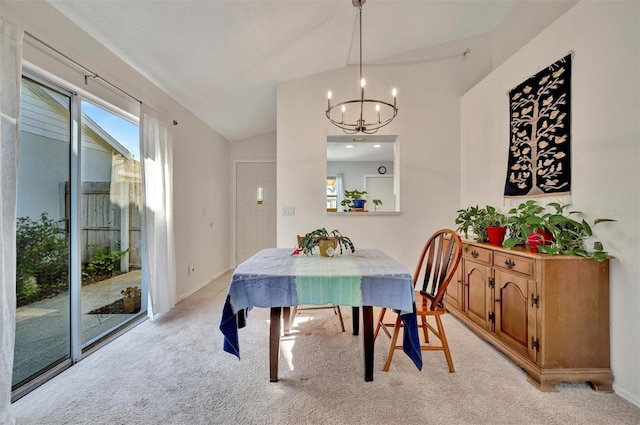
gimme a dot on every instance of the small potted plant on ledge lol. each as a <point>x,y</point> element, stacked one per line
<point>327,242</point>
<point>353,200</point>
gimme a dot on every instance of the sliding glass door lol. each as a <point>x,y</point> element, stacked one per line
<point>79,204</point>
<point>43,326</point>
<point>110,220</point>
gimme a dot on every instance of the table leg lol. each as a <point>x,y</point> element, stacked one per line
<point>274,343</point>
<point>286,319</point>
<point>355,320</point>
<point>367,330</point>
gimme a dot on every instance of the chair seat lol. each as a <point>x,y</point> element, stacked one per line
<point>334,307</point>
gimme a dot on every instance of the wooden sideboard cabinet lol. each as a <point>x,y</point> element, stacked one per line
<point>547,313</point>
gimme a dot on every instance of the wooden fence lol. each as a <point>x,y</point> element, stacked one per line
<point>110,215</point>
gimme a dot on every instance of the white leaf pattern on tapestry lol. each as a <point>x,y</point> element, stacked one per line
<point>539,150</point>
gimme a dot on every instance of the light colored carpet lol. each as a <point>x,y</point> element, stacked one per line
<point>173,371</point>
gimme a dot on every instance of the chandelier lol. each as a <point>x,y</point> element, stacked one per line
<point>384,112</point>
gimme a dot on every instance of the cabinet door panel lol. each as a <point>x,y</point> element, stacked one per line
<point>477,293</point>
<point>454,295</point>
<point>515,317</point>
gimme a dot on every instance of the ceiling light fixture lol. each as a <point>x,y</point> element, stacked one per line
<point>383,109</point>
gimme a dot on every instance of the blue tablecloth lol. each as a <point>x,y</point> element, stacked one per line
<point>275,278</point>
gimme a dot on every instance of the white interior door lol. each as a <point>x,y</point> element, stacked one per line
<point>380,187</point>
<point>255,222</point>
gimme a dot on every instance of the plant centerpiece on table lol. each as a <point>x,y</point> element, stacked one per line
<point>568,235</point>
<point>480,221</point>
<point>326,241</point>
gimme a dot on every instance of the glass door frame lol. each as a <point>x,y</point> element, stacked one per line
<point>77,351</point>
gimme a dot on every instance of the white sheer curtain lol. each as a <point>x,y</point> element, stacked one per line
<point>157,180</point>
<point>10,72</point>
<point>339,192</point>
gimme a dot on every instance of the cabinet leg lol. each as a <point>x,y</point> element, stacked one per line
<point>604,387</point>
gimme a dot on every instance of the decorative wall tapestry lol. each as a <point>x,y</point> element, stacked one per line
<point>539,149</point>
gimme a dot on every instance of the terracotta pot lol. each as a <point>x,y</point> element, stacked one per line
<point>327,247</point>
<point>496,234</point>
<point>537,238</point>
<point>129,304</point>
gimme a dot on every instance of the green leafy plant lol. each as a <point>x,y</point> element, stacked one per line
<point>569,233</point>
<point>476,220</point>
<point>493,217</point>
<point>42,258</point>
<point>352,195</point>
<point>103,263</point>
<point>520,220</point>
<point>27,292</point>
<point>313,238</point>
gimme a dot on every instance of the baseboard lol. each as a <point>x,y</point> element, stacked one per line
<point>199,286</point>
<point>630,398</point>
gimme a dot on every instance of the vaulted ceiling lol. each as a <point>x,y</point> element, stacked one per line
<point>222,59</point>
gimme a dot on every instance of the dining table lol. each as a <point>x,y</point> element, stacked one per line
<point>279,279</point>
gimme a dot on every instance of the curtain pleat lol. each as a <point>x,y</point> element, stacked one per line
<point>157,180</point>
<point>10,74</point>
<point>339,192</point>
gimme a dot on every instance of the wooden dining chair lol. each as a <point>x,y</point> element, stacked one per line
<point>334,307</point>
<point>437,265</point>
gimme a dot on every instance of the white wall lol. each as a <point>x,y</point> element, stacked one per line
<point>605,148</point>
<point>428,129</point>
<point>261,147</point>
<point>201,156</point>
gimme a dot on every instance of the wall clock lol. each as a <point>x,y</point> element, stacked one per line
<point>382,169</point>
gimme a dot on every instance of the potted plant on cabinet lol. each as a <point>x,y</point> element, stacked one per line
<point>556,232</point>
<point>523,222</point>
<point>487,224</point>
<point>327,242</point>
<point>495,224</point>
<point>468,221</point>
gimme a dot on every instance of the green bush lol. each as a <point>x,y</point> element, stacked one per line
<point>42,253</point>
<point>103,263</point>
<point>27,292</point>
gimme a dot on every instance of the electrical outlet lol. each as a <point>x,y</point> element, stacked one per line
<point>191,268</point>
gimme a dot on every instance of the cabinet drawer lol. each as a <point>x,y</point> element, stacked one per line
<point>476,253</point>
<point>514,263</point>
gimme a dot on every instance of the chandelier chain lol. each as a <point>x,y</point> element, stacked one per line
<point>361,125</point>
